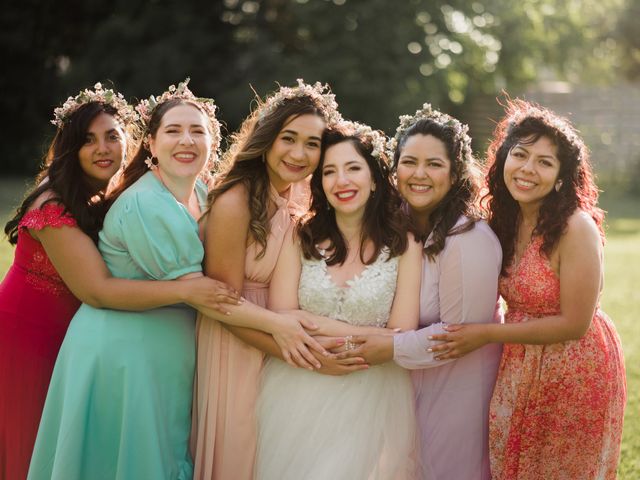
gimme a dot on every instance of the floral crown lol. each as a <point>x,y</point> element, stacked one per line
<point>125,111</point>
<point>318,92</point>
<point>377,139</point>
<point>427,112</point>
<point>146,107</point>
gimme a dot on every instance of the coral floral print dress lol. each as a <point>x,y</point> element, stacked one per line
<point>35,310</point>
<point>557,410</point>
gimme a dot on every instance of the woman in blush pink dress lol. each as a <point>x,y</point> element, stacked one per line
<point>260,189</point>
<point>439,180</point>
<point>558,405</point>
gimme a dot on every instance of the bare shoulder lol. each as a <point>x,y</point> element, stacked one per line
<point>233,203</point>
<point>581,232</point>
<point>581,225</point>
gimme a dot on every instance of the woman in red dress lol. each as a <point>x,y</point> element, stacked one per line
<point>57,264</point>
<point>558,403</point>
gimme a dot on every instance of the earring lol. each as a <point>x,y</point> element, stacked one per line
<point>558,185</point>
<point>151,162</point>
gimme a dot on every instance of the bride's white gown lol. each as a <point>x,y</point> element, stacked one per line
<point>359,426</point>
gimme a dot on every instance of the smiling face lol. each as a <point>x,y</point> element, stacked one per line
<point>295,152</point>
<point>182,143</point>
<point>103,151</point>
<point>346,179</point>
<point>424,172</point>
<point>531,170</point>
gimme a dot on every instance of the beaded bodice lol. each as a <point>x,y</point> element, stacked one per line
<point>365,300</point>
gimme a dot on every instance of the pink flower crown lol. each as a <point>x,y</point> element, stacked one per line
<point>125,112</point>
<point>146,107</point>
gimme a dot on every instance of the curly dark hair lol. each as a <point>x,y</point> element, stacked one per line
<point>243,162</point>
<point>462,199</point>
<point>526,122</point>
<point>63,175</point>
<point>383,222</point>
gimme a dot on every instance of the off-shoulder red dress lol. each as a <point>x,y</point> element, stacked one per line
<point>35,310</point>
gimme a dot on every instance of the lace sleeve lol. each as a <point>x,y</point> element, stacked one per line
<point>50,215</point>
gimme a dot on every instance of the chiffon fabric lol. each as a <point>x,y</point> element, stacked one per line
<point>119,405</point>
<point>223,439</point>
<point>356,426</point>
<point>452,396</point>
<point>557,410</point>
<point>35,310</point>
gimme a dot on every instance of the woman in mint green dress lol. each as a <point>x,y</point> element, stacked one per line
<point>119,404</point>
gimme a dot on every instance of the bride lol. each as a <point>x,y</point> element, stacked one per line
<point>351,259</point>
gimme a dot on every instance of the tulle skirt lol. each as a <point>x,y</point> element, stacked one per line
<point>359,426</point>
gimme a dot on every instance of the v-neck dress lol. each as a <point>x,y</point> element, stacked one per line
<point>356,426</point>
<point>557,409</point>
<point>119,404</point>
<point>223,439</point>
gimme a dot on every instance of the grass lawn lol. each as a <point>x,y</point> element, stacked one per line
<point>621,299</point>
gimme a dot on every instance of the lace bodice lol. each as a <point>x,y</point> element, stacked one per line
<point>366,300</point>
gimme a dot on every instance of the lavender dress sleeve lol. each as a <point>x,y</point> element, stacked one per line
<point>467,292</point>
<point>452,397</point>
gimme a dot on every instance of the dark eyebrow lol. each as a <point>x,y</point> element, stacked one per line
<point>177,125</point>
<point>293,132</point>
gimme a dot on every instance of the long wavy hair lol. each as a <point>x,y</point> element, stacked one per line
<point>526,122</point>
<point>137,167</point>
<point>64,177</point>
<point>244,162</point>
<point>383,223</point>
<point>462,199</point>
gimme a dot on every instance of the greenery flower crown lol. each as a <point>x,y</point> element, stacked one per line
<point>427,112</point>
<point>125,112</point>
<point>318,92</point>
<point>145,108</point>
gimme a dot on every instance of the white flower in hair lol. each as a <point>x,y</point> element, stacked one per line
<point>376,138</point>
<point>125,112</point>
<point>427,112</point>
<point>321,93</point>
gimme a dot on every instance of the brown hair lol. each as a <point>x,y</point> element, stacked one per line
<point>244,162</point>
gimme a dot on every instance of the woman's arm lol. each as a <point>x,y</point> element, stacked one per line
<point>406,303</point>
<point>226,233</point>
<point>82,268</point>
<point>468,270</point>
<point>580,273</point>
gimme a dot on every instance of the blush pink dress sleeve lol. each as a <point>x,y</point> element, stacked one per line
<point>224,431</point>
<point>452,397</point>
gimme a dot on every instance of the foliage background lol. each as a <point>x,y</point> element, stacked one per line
<point>382,58</point>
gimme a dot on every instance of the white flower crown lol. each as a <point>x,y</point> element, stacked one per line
<point>321,93</point>
<point>146,107</point>
<point>377,139</point>
<point>125,112</point>
<point>427,112</point>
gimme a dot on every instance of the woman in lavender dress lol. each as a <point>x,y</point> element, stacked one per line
<point>438,178</point>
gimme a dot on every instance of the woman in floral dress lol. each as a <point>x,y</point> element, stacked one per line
<point>558,404</point>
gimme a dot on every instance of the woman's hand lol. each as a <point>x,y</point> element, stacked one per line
<point>375,349</point>
<point>331,365</point>
<point>295,343</point>
<point>204,293</point>
<point>460,340</point>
